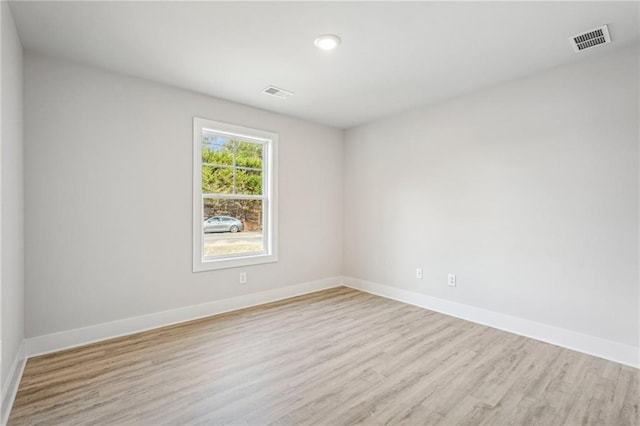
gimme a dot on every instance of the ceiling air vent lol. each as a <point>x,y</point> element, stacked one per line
<point>277,92</point>
<point>591,38</point>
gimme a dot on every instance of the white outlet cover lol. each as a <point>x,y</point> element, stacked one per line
<point>451,280</point>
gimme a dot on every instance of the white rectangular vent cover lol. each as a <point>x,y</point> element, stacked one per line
<point>591,38</point>
<point>277,92</point>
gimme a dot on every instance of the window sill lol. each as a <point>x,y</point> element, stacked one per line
<point>237,262</point>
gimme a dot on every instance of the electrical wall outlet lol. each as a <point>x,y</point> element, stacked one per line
<point>419,273</point>
<point>243,277</point>
<point>451,280</point>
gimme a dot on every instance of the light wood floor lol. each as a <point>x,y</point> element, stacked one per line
<point>330,358</point>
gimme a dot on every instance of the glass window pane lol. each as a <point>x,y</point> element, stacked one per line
<point>248,182</point>
<point>217,180</point>
<point>217,149</point>
<point>232,227</point>
<point>249,154</point>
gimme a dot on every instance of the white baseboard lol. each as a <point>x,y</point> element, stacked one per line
<point>48,343</point>
<point>596,346</point>
<point>10,387</point>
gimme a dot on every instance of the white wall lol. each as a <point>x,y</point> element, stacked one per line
<point>527,191</point>
<point>11,201</point>
<point>108,169</point>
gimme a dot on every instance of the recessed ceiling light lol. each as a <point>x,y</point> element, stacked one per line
<point>327,42</point>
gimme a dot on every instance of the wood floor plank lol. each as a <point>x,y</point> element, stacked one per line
<point>329,358</point>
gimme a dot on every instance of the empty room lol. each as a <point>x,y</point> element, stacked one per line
<point>320,213</point>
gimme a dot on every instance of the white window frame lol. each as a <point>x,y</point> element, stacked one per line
<point>269,196</point>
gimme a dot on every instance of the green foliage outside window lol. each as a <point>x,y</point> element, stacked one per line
<point>239,168</point>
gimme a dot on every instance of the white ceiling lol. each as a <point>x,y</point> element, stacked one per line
<point>393,57</point>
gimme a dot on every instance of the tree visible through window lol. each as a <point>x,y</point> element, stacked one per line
<point>235,192</point>
<point>234,167</point>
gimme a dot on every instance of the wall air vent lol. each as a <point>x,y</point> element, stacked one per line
<point>277,92</point>
<point>591,38</point>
